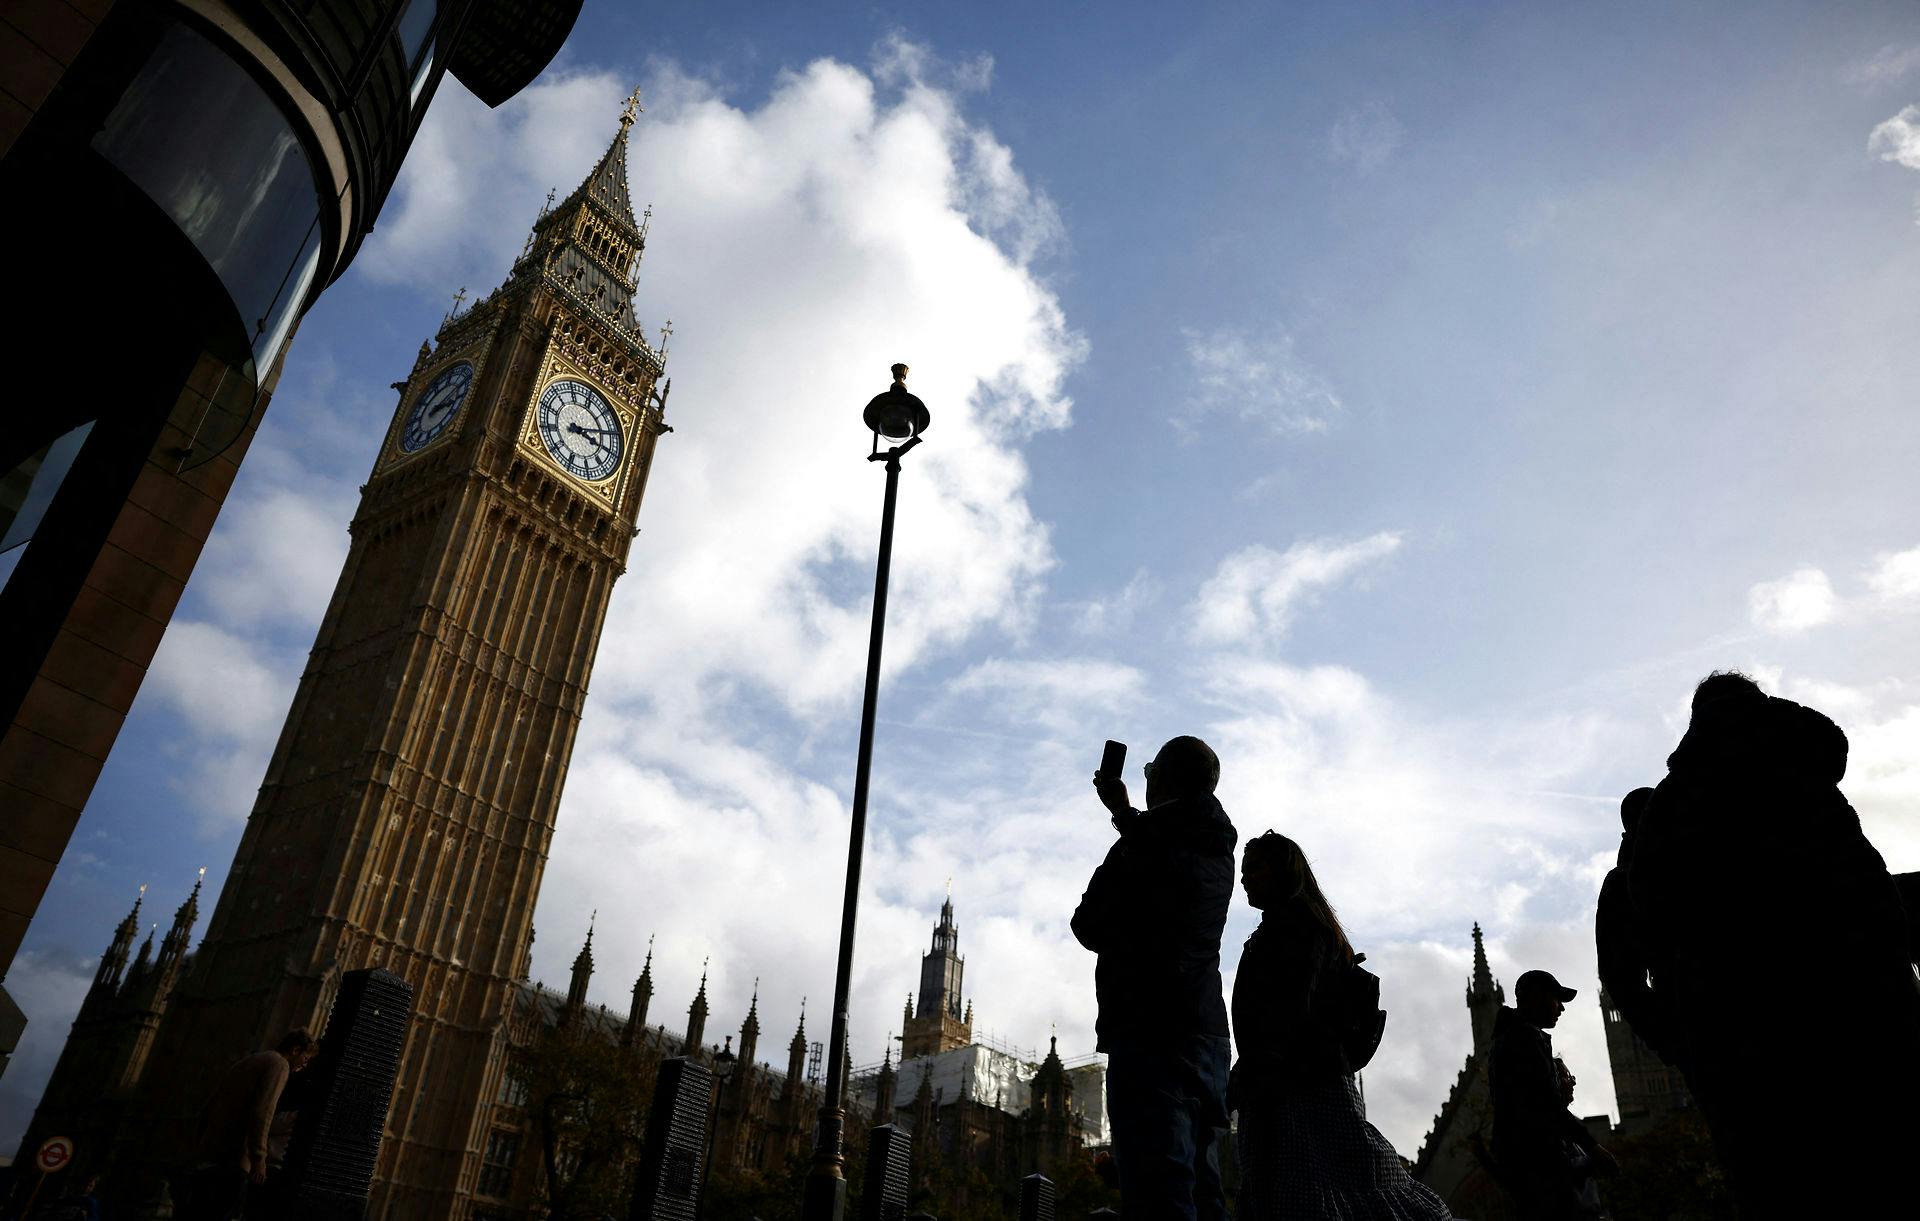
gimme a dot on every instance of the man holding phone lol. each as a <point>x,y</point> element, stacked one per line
<point>1154,911</point>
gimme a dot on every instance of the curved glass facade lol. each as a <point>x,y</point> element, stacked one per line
<point>200,136</point>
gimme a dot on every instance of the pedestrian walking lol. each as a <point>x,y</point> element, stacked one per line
<point>1545,1155</point>
<point>232,1151</point>
<point>1305,1148</point>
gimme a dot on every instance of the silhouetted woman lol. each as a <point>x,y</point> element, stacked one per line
<point>1306,1148</point>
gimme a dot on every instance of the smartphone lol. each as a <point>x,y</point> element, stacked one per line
<point>1113,759</point>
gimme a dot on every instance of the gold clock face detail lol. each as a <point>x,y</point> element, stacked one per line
<point>580,430</point>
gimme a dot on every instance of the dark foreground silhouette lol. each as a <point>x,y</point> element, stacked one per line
<point>1544,1156</point>
<point>1154,911</point>
<point>1777,958</point>
<point>1305,1016</point>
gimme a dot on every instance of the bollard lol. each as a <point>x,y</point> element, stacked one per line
<point>883,1196</point>
<point>667,1187</point>
<point>1036,1198</point>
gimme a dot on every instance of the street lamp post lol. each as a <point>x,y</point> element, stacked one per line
<point>722,1069</point>
<point>899,417</point>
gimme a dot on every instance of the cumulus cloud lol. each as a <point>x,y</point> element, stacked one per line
<point>1255,592</point>
<point>1259,380</point>
<point>1898,139</point>
<point>230,694</point>
<point>1365,136</point>
<point>1797,602</point>
<point>1895,578</point>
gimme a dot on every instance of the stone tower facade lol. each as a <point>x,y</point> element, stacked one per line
<point>405,816</point>
<point>1453,1159</point>
<point>939,1023</point>
<point>1646,1089</point>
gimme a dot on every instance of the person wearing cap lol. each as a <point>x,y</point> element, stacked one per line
<point>1544,1153</point>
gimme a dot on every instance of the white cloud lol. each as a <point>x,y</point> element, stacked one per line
<point>1898,139</point>
<point>1255,592</point>
<point>231,695</point>
<point>1895,578</point>
<point>1257,380</point>
<point>1885,66</point>
<point>1365,136</point>
<point>1801,600</point>
<point>48,985</point>
<point>1116,612</point>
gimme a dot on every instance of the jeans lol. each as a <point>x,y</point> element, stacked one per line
<point>1167,1104</point>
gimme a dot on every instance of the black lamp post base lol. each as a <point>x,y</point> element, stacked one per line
<point>826,1198</point>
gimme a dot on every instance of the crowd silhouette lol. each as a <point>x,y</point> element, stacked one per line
<point>1749,932</point>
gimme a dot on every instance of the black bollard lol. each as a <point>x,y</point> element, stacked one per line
<point>336,1140</point>
<point>883,1196</point>
<point>667,1187</point>
<point>1036,1198</point>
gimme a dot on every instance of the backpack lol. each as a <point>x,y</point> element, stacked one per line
<point>1358,1020</point>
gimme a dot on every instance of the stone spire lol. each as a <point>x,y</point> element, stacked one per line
<point>1484,995</point>
<point>173,947</point>
<point>697,1016</point>
<point>797,1052</point>
<point>642,997</point>
<point>582,969</point>
<point>589,244</point>
<point>883,1096</point>
<point>113,963</point>
<point>750,1029</point>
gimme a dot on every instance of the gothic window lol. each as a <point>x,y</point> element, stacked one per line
<point>496,1168</point>
<point>513,1090</point>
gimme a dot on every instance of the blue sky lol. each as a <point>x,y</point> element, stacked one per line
<point>1413,400</point>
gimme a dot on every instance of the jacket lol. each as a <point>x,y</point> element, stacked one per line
<point>234,1128</point>
<point>1627,965</point>
<point>1285,1039</point>
<point>1531,1122</point>
<point>1154,911</point>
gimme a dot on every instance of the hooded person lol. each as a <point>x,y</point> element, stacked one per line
<point>1154,911</point>
<point>1787,959</point>
<point>1628,970</point>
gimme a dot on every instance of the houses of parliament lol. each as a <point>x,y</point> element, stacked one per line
<point>406,813</point>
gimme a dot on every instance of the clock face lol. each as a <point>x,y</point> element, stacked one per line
<point>435,407</point>
<point>580,429</point>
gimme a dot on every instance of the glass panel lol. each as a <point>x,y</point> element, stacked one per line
<point>414,26</point>
<point>285,311</point>
<point>421,71</point>
<point>206,143</point>
<point>28,489</point>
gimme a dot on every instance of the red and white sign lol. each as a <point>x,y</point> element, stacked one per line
<point>54,1154</point>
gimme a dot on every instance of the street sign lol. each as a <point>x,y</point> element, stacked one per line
<point>55,1152</point>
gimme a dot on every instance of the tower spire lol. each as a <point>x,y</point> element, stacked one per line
<point>642,998</point>
<point>114,962</point>
<point>582,968</point>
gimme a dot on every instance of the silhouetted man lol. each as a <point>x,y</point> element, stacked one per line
<point>1543,1152</point>
<point>1791,985</point>
<point>1627,967</point>
<point>1153,912</point>
<point>233,1130</point>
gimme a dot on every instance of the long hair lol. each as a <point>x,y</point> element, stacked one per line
<point>1297,886</point>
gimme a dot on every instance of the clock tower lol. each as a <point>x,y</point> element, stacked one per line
<point>405,817</point>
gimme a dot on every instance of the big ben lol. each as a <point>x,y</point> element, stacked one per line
<point>405,817</point>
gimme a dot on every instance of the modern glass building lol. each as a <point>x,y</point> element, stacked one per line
<point>179,180</point>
